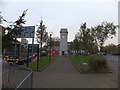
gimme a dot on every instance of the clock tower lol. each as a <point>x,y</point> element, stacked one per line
<point>63,41</point>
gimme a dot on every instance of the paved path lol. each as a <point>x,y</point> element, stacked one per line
<point>113,58</point>
<point>62,74</point>
<point>112,63</point>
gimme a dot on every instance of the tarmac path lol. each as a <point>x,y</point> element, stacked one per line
<point>62,74</point>
<point>113,63</point>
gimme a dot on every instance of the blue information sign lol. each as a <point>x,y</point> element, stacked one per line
<point>27,32</point>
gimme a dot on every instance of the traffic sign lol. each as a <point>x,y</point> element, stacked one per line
<point>27,32</point>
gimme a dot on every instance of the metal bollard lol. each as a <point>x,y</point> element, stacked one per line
<point>85,67</point>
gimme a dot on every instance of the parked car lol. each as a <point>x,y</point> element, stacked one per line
<point>20,62</point>
<point>24,60</point>
<point>10,59</point>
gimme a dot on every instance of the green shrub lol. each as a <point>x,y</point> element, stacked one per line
<point>97,62</point>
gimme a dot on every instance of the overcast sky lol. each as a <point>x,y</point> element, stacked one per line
<point>57,14</point>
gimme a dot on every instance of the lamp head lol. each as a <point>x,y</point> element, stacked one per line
<point>50,33</point>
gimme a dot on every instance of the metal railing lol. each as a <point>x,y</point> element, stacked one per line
<point>27,82</point>
<point>17,77</point>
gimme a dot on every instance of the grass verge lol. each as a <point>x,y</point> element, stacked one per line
<point>43,62</point>
<point>78,61</point>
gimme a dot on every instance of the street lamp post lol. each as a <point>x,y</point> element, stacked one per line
<point>28,56</point>
<point>50,33</point>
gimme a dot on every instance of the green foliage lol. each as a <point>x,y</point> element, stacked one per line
<point>85,40</point>
<point>41,33</point>
<point>45,61</point>
<point>76,43</point>
<point>71,46</point>
<point>12,31</point>
<point>97,62</point>
<point>111,48</point>
<point>102,32</point>
<point>84,35</point>
<point>6,42</point>
<point>55,41</point>
<point>78,61</point>
<point>90,39</point>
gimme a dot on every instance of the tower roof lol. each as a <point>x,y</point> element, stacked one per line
<point>63,30</point>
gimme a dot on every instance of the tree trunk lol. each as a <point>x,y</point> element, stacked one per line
<point>40,48</point>
<point>41,51</point>
<point>100,49</point>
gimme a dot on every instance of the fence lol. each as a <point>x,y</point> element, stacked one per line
<point>17,77</point>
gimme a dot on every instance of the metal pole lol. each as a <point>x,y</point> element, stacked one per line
<point>0,61</point>
<point>50,46</point>
<point>15,47</point>
<point>28,56</point>
<point>32,49</point>
<point>38,56</point>
<point>15,50</point>
<point>20,50</point>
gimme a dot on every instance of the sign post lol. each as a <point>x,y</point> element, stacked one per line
<point>28,32</point>
<point>37,56</point>
<point>32,48</point>
<point>28,56</point>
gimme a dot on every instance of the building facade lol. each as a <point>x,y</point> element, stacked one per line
<point>2,32</point>
<point>63,41</point>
